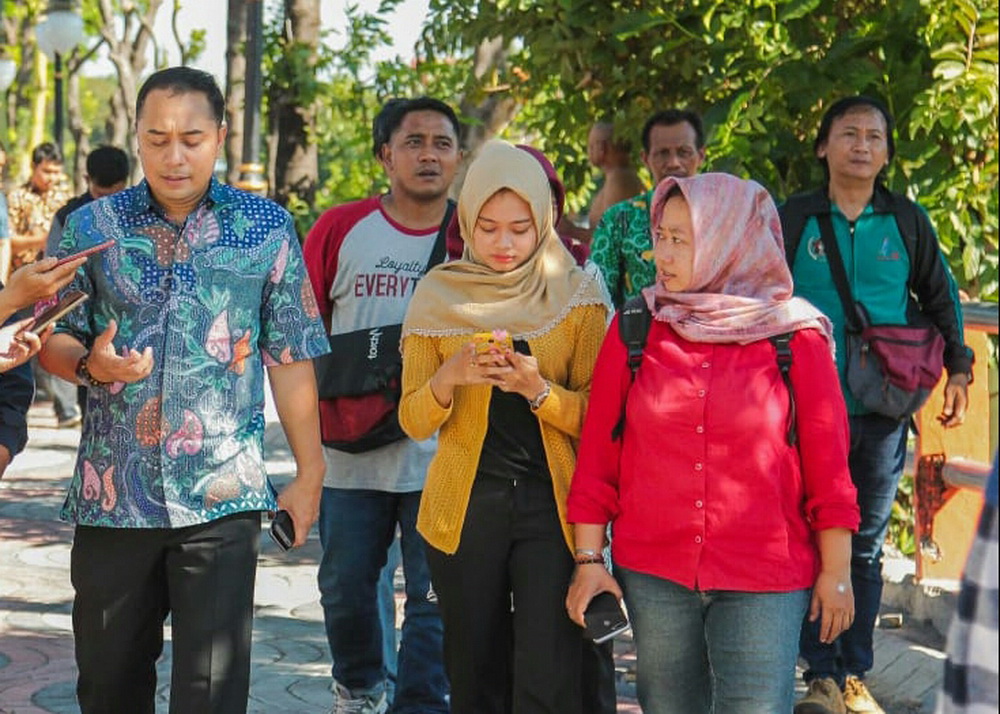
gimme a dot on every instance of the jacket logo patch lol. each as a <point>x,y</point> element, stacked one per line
<point>815,248</point>
<point>886,252</point>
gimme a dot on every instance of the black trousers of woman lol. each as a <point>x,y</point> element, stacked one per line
<point>509,645</point>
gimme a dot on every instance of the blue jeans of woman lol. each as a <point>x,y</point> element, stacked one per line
<point>876,459</point>
<point>712,651</point>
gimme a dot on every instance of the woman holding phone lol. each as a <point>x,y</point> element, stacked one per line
<point>20,340</point>
<point>728,490</point>
<point>494,503</point>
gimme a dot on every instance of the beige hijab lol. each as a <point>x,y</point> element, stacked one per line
<point>466,296</point>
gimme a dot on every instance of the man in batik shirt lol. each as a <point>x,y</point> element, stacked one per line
<point>673,144</point>
<point>31,209</point>
<point>202,290</point>
<point>32,206</point>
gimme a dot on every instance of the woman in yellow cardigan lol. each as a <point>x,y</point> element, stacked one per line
<point>493,509</point>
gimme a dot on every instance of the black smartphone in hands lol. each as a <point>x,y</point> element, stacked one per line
<point>45,318</point>
<point>283,530</point>
<point>604,618</point>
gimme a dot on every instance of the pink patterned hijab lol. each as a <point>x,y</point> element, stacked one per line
<point>741,288</point>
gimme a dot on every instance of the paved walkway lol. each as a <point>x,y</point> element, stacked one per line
<point>290,658</point>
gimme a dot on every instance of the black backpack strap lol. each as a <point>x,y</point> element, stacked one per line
<point>634,319</point>
<point>908,219</point>
<point>794,214</point>
<point>793,222</point>
<point>836,263</point>
<point>437,252</point>
<point>782,344</point>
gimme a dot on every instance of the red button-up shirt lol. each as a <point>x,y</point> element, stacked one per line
<point>703,488</point>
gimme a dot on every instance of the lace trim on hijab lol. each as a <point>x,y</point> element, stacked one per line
<point>584,295</point>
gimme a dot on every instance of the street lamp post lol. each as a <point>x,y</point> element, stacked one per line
<point>8,67</point>
<point>251,170</point>
<point>57,35</point>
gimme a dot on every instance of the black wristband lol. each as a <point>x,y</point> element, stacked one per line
<point>83,375</point>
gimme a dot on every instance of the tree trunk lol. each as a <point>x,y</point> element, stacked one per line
<point>20,94</point>
<point>81,140</point>
<point>127,53</point>
<point>39,106</point>
<point>236,66</point>
<point>296,159</point>
<point>491,114</point>
<point>116,125</point>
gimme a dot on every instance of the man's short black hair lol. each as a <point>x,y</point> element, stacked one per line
<point>382,121</point>
<point>846,106</point>
<point>107,165</point>
<point>46,151</point>
<point>670,117</point>
<point>182,80</point>
<point>395,110</point>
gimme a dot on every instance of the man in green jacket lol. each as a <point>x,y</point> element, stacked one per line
<point>890,273</point>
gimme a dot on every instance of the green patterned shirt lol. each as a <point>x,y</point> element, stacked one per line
<point>622,248</point>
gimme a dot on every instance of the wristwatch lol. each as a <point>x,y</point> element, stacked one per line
<point>83,375</point>
<point>537,401</point>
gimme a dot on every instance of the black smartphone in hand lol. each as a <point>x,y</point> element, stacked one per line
<point>604,618</point>
<point>69,301</point>
<point>283,530</point>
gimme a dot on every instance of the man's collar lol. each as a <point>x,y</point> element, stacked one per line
<point>30,186</point>
<point>218,195</point>
<point>880,202</point>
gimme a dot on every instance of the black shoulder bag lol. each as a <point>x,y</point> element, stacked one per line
<point>361,379</point>
<point>891,369</point>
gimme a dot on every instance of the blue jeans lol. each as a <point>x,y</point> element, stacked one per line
<point>387,615</point>
<point>356,528</point>
<point>876,460</point>
<point>713,651</point>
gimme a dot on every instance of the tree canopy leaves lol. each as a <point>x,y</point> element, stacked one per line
<point>761,73</point>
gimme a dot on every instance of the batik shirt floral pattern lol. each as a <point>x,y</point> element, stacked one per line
<point>622,248</point>
<point>218,299</point>
<point>31,212</point>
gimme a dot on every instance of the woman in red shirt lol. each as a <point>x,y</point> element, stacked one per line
<point>725,533</point>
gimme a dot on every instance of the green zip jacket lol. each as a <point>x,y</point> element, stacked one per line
<point>886,275</point>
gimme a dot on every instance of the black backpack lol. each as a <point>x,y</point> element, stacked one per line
<point>634,319</point>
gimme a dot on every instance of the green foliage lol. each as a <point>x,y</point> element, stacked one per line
<point>902,518</point>
<point>954,122</point>
<point>762,74</point>
<point>349,85</point>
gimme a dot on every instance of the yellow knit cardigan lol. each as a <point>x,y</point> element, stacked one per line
<point>566,356</point>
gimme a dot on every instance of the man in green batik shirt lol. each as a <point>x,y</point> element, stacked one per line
<point>673,144</point>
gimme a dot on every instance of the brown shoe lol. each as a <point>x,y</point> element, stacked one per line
<point>858,699</point>
<point>823,697</point>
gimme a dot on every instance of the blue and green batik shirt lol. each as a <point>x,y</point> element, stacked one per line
<point>218,299</point>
